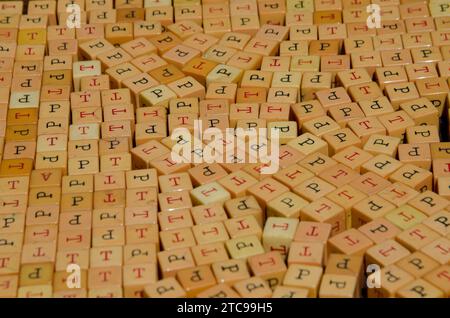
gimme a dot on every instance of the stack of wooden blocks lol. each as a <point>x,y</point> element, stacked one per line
<point>93,204</point>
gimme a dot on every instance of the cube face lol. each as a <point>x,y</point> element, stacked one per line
<point>254,287</point>
<point>310,253</point>
<point>193,287</point>
<point>244,247</point>
<point>209,253</point>
<point>210,193</point>
<point>405,217</point>
<point>304,276</point>
<point>278,234</point>
<point>350,242</point>
<point>438,250</point>
<point>324,210</point>
<point>337,286</point>
<point>418,264</point>
<point>386,253</point>
<point>231,271</point>
<point>420,288</point>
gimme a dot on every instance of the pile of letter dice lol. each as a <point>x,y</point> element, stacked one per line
<point>225,148</point>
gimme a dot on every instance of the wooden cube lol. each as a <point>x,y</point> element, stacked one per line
<point>230,271</point>
<point>438,250</point>
<point>289,292</point>
<point>313,189</point>
<point>419,289</point>
<point>350,242</point>
<point>392,279</point>
<point>254,287</point>
<point>304,276</point>
<point>418,264</point>
<point>244,247</point>
<point>337,286</point>
<point>170,262</point>
<point>438,278</point>
<point>207,254</point>
<point>196,279</point>
<point>386,253</point>
<point>308,253</point>
<point>168,287</point>
<point>317,162</point>
<point>278,234</point>
<point>219,290</point>
<point>269,266</point>
<point>326,211</point>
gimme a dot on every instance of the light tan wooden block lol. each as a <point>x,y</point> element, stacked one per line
<point>222,91</point>
<point>177,239</point>
<point>196,280</point>
<point>350,242</point>
<point>289,292</point>
<point>337,286</point>
<point>168,287</point>
<point>418,264</point>
<point>313,189</point>
<point>254,287</point>
<point>438,222</point>
<point>230,271</point>
<point>366,127</point>
<point>304,276</point>
<point>142,233</point>
<point>308,253</point>
<point>392,279</point>
<point>439,278</point>
<point>429,203</point>
<point>278,234</point>
<point>317,162</point>
<point>218,291</point>
<point>9,285</point>
<point>244,247</point>
<point>36,274</point>
<point>320,126</point>
<point>325,211</point>
<point>443,186</point>
<point>345,265</point>
<point>210,233</point>
<point>386,253</point>
<point>420,134</point>
<point>243,226</point>
<point>287,205</point>
<point>417,237</point>
<point>313,82</point>
<point>208,213</point>
<point>208,254</point>
<point>171,220</point>
<point>419,289</point>
<point>422,111</point>
<point>308,63</point>
<point>170,262</point>
<point>38,291</point>
<point>383,165</point>
<point>382,145</point>
<point>367,60</point>
<point>438,250</point>
<point>379,230</point>
<point>266,190</point>
<point>308,144</point>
